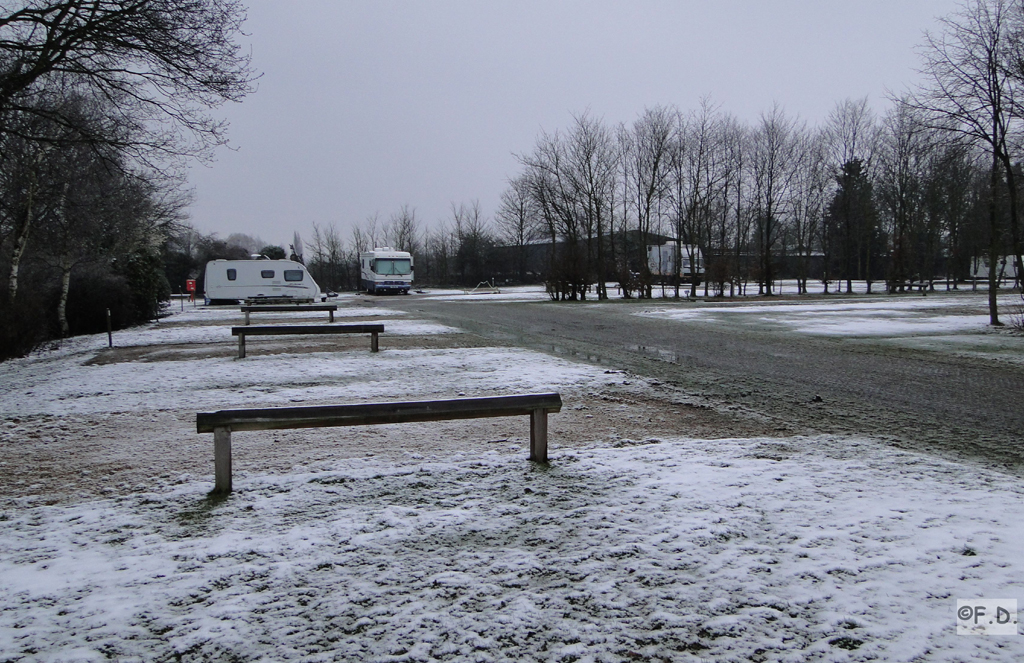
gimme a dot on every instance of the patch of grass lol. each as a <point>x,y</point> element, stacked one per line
<point>328,480</point>
<point>200,514</point>
<point>846,643</point>
<point>1017,316</point>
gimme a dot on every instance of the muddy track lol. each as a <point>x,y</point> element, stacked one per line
<point>968,409</point>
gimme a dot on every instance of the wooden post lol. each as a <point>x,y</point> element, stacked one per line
<point>374,347</point>
<point>246,316</point>
<point>331,314</point>
<point>539,436</point>
<point>241,346</point>
<point>222,459</point>
<point>110,335</point>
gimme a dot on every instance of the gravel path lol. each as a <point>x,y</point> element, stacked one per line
<point>955,406</point>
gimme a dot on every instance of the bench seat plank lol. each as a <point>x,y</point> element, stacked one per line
<point>279,330</point>
<point>320,416</point>
<point>286,308</point>
<point>279,308</point>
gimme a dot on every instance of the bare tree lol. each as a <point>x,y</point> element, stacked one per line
<point>851,133</point>
<point>852,137</point>
<point>734,221</point>
<point>149,70</point>
<point>773,160</point>
<point>695,179</point>
<point>161,63</point>
<point>516,221</point>
<point>440,246</point>
<point>969,89</point>
<point>591,173</point>
<point>248,242</point>
<point>553,192</point>
<point>402,230</point>
<point>905,151</point>
<point>647,171</point>
<point>473,242</point>
<point>811,186</point>
<point>329,262</point>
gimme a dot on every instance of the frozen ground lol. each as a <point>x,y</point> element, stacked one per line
<point>653,547</point>
<point>955,322</point>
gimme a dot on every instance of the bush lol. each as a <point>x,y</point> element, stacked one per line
<point>92,292</point>
<point>144,273</point>
<point>23,326</point>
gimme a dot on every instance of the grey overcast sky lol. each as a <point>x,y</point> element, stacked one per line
<point>367,106</point>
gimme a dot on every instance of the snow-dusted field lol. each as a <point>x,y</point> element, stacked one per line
<point>668,549</point>
<point>955,323</point>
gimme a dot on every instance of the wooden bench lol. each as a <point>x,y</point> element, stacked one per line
<point>910,286</point>
<point>277,330</point>
<point>330,308</point>
<point>282,300</point>
<point>223,422</point>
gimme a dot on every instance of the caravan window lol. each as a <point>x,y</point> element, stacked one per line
<point>232,275</point>
<point>293,275</point>
<point>267,273</point>
<point>393,266</point>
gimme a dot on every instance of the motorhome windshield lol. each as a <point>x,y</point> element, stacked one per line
<point>393,266</point>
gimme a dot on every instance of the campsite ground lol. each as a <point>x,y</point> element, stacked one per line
<point>674,523</point>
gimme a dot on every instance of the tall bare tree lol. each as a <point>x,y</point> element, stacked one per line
<point>696,176</point>
<point>162,64</point>
<point>647,175</point>
<point>810,189</point>
<point>969,89</point>
<point>591,171</point>
<point>402,230</point>
<point>773,167</point>
<point>516,221</point>
<point>904,154</point>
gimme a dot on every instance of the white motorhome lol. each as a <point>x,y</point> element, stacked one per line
<point>385,270</point>
<point>661,260</point>
<point>231,281</point>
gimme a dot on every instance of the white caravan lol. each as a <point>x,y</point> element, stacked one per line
<point>238,280</point>
<point>661,260</point>
<point>385,270</point>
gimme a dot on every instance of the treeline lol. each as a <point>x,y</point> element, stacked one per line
<point>926,191</point>
<point>101,104</point>
<point>461,250</point>
<point>890,199</point>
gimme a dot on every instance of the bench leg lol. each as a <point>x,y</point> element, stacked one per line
<point>222,460</point>
<point>374,347</point>
<point>331,314</point>
<point>246,317</point>
<point>539,436</point>
<point>241,346</point>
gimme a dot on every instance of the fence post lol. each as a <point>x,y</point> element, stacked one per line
<point>110,335</point>
<point>222,459</point>
<point>539,436</point>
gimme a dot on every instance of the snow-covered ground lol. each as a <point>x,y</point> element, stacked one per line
<point>65,381</point>
<point>956,323</point>
<point>783,549</point>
